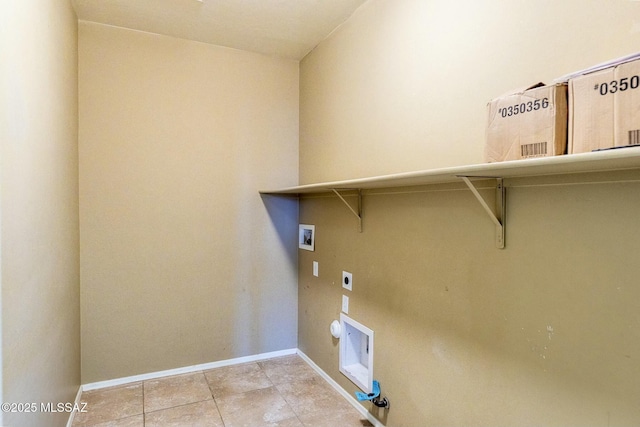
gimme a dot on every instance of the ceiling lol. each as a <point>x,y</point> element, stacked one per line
<point>282,28</point>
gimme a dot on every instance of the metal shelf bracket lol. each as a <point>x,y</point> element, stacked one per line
<point>498,217</point>
<point>357,213</point>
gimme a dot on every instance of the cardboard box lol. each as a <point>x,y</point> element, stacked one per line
<point>605,108</point>
<point>528,123</point>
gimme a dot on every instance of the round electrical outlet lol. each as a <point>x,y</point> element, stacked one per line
<point>347,280</point>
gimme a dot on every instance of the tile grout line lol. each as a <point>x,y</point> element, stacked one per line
<point>318,373</point>
<point>178,406</point>
<point>215,402</point>
<point>275,386</point>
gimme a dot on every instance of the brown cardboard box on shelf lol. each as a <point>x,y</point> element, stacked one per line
<point>605,108</point>
<point>527,123</point>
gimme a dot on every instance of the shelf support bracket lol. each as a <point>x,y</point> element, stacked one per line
<point>498,217</point>
<point>357,213</point>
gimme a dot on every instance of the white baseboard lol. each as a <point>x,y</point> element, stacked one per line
<point>352,400</point>
<point>186,369</point>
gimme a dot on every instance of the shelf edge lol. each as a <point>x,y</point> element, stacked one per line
<point>615,159</point>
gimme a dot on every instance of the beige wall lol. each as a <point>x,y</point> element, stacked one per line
<point>544,332</point>
<point>39,207</point>
<point>403,85</point>
<point>182,263</point>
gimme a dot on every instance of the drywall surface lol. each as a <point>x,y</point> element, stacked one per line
<point>40,313</point>
<point>545,332</point>
<point>181,261</point>
<point>403,84</point>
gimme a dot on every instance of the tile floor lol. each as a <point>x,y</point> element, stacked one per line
<point>280,392</point>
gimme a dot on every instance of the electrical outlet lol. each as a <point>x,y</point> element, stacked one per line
<point>347,280</point>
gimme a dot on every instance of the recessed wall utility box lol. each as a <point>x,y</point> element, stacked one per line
<point>356,353</point>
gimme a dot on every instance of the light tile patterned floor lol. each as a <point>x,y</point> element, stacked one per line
<point>280,392</point>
